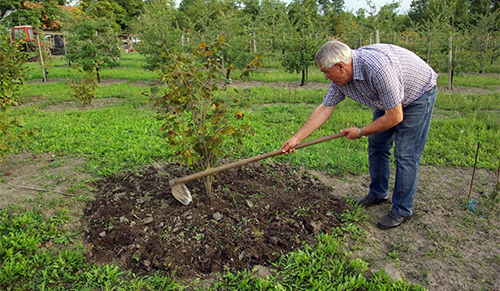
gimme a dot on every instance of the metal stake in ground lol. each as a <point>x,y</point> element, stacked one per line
<point>469,202</point>
<point>182,194</point>
<point>473,171</point>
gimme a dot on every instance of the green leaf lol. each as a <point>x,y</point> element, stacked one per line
<point>221,38</point>
<point>154,90</point>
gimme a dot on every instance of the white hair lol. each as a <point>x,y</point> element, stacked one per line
<point>333,52</point>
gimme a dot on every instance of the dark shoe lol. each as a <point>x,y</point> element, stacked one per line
<point>392,220</point>
<point>369,201</point>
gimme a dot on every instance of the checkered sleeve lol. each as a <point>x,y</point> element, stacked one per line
<point>333,96</point>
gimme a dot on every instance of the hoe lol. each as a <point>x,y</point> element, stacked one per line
<point>182,194</point>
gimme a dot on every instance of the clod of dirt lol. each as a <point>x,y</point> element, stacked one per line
<point>256,214</point>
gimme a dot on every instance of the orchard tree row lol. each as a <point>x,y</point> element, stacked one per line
<point>451,35</point>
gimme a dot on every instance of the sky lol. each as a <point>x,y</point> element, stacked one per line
<point>354,5</point>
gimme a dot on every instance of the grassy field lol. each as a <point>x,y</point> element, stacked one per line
<point>121,133</point>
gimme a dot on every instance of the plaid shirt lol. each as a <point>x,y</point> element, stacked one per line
<point>384,76</point>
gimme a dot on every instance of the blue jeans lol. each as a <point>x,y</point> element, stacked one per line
<point>409,138</point>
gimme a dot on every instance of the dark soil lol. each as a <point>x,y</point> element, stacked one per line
<point>256,214</point>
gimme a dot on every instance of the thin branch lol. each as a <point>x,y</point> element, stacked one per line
<point>39,189</point>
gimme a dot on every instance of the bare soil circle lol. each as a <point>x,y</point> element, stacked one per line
<point>255,214</point>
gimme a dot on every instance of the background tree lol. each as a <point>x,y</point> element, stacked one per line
<point>12,74</point>
<point>349,30</point>
<point>252,10</point>
<point>432,40</point>
<point>484,40</point>
<point>419,11</point>
<point>132,10</point>
<point>121,12</point>
<point>19,14</point>
<point>276,25</point>
<point>104,9</point>
<point>191,12</point>
<point>291,34</point>
<point>388,22</point>
<point>197,17</point>
<point>7,6</point>
<point>158,30</point>
<point>233,24</point>
<point>455,15</point>
<point>93,43</point>
<point>332,12</point>
<point>41,14</point>
<point>308,36</point>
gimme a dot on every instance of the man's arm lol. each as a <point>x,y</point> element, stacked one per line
<point>318,117</point>
<point>391,118</point>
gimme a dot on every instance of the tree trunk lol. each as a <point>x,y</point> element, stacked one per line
<point>129,44</point>
<point>207,181</point>
<point>222,61</point>
<point>254,43</point>
<point>450,63</point>
<point>428,56</point>
<point>377,36</point>
<point>483,59</point>
<point>303,81</point>
<point>41,58</point>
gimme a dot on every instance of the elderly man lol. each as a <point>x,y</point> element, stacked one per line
<point>402,89</point>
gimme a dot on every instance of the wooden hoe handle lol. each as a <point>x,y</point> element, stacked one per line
<point>208,172</point>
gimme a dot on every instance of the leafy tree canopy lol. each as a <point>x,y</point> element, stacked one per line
<point>46,14</point>
<point>121,12</point>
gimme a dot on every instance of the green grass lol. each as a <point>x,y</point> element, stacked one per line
<point>493,69</point>
<point>276,113</point>
<point>37,253</point>
<point>470,80</point>
<point>123,134</point>
<point>274,124</point>
<point>114,138</point>
<point>468,102</point>
<point>264,95</point>
<point>46,93</point>
<point>279,75</point>
<point>324,267</point>
<point>131,69</point>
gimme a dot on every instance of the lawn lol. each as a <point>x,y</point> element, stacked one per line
<point>43,242</point>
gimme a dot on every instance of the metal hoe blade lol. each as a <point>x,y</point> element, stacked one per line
<point>181,193</point>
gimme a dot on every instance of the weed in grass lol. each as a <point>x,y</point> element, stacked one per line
<point>432,234</point>
<point>432,253</point>
<point>355,231</point>
<point>394,255</point>
<point>495,259</point>
<point>301,211</point>
<point>400,248</point>
<point>357,214</point>
<point>469,221</point>
<point>494,197</point>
